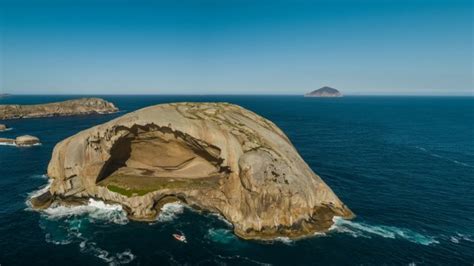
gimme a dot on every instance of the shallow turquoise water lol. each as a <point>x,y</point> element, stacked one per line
<point>404,165</point>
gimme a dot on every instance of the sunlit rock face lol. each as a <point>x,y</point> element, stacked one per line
<point>84,106</point>
<point>217,157</point>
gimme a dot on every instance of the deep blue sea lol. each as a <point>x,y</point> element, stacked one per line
<point>404,165</point>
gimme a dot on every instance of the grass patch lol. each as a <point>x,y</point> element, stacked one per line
<point>129,192</point>
<point>129,185</point>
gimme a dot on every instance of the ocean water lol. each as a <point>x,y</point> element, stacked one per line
<point>404,165</point>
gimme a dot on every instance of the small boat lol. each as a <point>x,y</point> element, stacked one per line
<point>179,237</point>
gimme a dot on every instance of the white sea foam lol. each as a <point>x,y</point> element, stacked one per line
<point>356,229</point>
<point>19,146</point>
<point>459,238</point>
<point>39,191</point>
<point>221,218</point>
<point>90,247</point>
<point>442,157</point>
<point>95,209</point>
<point>284,240</point>
<point>66,225</point>
<point>43,176</point>
<point>454,239</point>
<point>7,144</point>
<point>221,235</point>
<point>170,211</point>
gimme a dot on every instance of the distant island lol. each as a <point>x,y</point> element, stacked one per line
<point>2,95</point>
<point>84,106</point>
<point>324,92</point>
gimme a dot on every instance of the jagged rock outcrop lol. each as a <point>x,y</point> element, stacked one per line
<point>217,157</point>
<point>85,106</point>
<point>21,141</point>
<point>324,92</point>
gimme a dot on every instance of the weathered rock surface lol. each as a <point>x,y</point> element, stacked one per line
<point>26,140</point>
<point>324,92</point>
<point>85,106</point>
<point>21,141</point>
<point>7,141</point>
<point>217,157</point>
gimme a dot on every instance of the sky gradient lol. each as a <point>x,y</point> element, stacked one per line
<point>404,47</point>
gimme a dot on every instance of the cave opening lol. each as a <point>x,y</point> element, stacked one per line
<point>147,157</point>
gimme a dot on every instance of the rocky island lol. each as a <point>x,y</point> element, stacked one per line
<point>324,92</point>
<point>3,127</point>
<point>21,141</point>
<point>215,157</point>
<point>85,106</point>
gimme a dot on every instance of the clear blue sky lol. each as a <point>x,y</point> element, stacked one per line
<point>236,46</point>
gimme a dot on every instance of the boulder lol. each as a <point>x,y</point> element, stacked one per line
<point>216,157</point>
<point>26,140</point>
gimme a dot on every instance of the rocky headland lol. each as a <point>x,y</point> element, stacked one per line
<point>85,106</point>
<point>21,141</point>
<point>214,157</point>
<point>324,92</point>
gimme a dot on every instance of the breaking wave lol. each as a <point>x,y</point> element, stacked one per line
<point>66,225</point>
<point>170,211</point>
<point>7,144</point>
<point>39,191</point>
<point>21,146</point>
<point>43,176</point>
<point>284,240</point>
<point>95,209</point>
<point>356,229</point>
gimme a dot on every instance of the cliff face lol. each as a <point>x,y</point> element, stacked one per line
<point>324,92</point>
<point>83,106</point>
<point>213,156</point>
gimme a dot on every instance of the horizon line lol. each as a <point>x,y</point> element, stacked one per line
<point>231,94</point>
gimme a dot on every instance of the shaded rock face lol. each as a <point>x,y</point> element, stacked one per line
<point>83,106</point>
<point>217,157</point>
<point>324,92</point>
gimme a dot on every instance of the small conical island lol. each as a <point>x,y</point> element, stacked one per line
<point>324,92</point>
